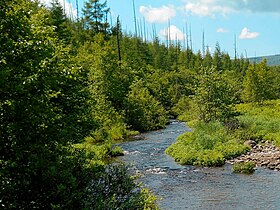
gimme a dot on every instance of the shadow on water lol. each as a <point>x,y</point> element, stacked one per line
<point>188,187</point>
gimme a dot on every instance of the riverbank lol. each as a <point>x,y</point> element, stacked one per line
<point>264,155</point>
<point>190,187</point>
<point>213,143</point>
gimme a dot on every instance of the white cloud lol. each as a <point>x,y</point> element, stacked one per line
<point>221,30</point>
<point>246,34</point>
<point>211,8</point>
<point>198,9</point>
<point>69,7</point>
<point>207,8</point>
<point>158,15</point>
<point>175,33</point>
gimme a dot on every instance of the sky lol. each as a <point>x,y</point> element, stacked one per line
<point>254,24</point>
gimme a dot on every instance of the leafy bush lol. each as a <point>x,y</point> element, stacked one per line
<point>209,144</point>
<point>113,188</point>
<point>117,151</point>
<point>244,167</point>
<point>214,96</point>
<point>260,83</point>
<point>185,109</point>
<point>144,112</point>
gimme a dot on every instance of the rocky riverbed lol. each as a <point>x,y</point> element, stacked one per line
<point>263,154</point>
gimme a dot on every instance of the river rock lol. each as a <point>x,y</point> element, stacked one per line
<point>137,137</point>
<point>250,143</point>
<point>263,155</point>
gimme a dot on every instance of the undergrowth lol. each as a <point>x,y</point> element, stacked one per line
<point>244,167</point>
<point>260,121</point>
<point>210,144</point>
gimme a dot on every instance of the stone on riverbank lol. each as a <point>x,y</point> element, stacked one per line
<point>263,155</point>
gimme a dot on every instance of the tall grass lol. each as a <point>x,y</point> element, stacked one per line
<point>260,121</point>
<point>210,144</point>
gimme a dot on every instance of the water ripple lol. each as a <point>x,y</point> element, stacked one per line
<point>188,187</point>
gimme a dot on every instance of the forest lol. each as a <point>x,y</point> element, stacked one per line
<point>69,89</point>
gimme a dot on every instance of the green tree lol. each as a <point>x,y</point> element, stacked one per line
<point>226,62</point>
<point>96,17</point>
<point>108,84</point>
<point>208,60</point>
<point>43,109</point>
<point>159,54</point>
<point>198,61</point>
<point>214,96</point>
<point>144,112</point>
<point>258,83</point>
<point>59,21</point>
<point>217,58</point>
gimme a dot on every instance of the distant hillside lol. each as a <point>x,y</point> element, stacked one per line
<point>272,60</point>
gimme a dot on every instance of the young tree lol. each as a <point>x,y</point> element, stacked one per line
<point>144,112</point>
<point>217,58</point>
<point>213,96</point>
<point>208,60</point>
<point>96,17</point>
<point>59,21</point>
<point>258,83</point>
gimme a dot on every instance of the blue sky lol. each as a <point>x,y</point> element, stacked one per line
<point>255,23</point>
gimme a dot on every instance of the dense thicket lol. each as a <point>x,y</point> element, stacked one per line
<point>66,86</point>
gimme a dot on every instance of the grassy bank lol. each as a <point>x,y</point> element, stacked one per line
<point>260,121</point>
<point>210,144</point>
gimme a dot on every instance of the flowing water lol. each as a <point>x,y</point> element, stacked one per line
<point>188,187</point>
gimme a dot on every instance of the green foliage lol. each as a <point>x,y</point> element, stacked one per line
<point>259,83</point>
<point>260,121</point>
<point>136,54</point>
<point>107,86</point>
<point>185,109</point>
<point>169,87</point>
<point>62,84</point>
<point>46,105</point>
<point>117,151</point>
<point>214,96</point>
<point>244,167</point>
<point>58,20</point>
<point>43,110</point>
<point>210,144</point>
<point>113,188</point>
<point>96,17</point>
<point>144,112</point>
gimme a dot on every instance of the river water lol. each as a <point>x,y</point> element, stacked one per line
<point>188,187</point>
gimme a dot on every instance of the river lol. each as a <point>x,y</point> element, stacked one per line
<point>189,187</point>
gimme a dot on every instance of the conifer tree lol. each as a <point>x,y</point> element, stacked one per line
<point>58,20</point>
<point>95,16</point>
<point>217,58</point>
<point>258,83</point>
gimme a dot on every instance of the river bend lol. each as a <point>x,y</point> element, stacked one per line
<point>188,187</point>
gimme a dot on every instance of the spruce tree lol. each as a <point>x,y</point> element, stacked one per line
<point>95,17</point>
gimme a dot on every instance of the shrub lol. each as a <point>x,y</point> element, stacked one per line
<point>209,144</point>
<point>113,188</point>
<point>144,112</point>
<point>244,167</point>
<point>117,151</point>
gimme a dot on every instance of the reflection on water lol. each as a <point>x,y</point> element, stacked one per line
<point>188,187</point>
